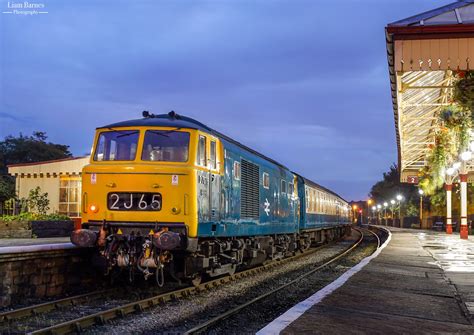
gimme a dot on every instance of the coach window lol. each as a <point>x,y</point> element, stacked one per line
<point>307,199</point>
<point>213,155</point>
<point>319,203</point>
<point>266,180</point>
<point>201,155</point>
<point>283,186</point>
<point>236,170</point>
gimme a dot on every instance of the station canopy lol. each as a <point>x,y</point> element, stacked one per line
<point>424,52</point>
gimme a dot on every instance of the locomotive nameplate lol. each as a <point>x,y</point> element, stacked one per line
<point>134,201</point>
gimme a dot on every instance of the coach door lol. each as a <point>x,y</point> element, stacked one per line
<point>203,179</point>
<point>214,181</point>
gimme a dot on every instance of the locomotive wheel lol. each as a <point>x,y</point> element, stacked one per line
<point>197,279</point>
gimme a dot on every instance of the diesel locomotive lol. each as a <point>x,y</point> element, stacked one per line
<point>166,195</point>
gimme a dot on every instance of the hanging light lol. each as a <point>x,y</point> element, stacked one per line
<point>450,171</point>
<point>471,146</point>
<point>466,155</point>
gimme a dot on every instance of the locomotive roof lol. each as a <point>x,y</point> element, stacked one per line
<point>173,119</point>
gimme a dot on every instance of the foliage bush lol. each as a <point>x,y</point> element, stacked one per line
<point>34,217</point>
<point>38,202</point>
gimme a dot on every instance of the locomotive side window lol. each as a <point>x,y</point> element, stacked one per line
<point>283,186</point>
<point>165,146</point>
<point>213,155</point>
<point>201,154</point>
<point>116,146</point>
<point>236,170</point>
<point>291,188</point>
<point>266,180</point>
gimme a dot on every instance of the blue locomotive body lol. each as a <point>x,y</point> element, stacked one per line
<point>262,197</point>
<point>258,197</point>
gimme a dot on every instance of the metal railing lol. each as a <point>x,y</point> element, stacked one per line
<point>13,207</point>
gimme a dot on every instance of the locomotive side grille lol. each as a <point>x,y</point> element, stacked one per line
<point>249,190</point>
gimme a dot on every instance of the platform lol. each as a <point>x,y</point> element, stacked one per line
<point>421,282</point>
<point>28,245</point>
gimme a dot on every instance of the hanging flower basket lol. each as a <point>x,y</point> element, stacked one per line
<point>463,93</point>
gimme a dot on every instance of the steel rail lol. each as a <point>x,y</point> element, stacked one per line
<point>99,318</point>
<point>34,310</point>
<point>234,310</point>
<point>377,236</point>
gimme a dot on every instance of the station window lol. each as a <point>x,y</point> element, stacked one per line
<point>283,186</point>
<point>266,180</point>
<point>236,170</point>
<point>201,154</point>
<point>69,196</point>
<point>213,155</point>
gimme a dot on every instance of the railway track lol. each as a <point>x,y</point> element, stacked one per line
<point>102,316</point>
<point>203,327</point>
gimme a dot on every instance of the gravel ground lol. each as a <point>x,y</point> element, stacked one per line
<point>119,296</point>
<point>183,314</point>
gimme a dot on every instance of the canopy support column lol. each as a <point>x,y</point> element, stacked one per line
<point>449,226</point>
<point>463,232</point>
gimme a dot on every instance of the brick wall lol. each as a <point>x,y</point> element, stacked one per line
<point>45,274</point>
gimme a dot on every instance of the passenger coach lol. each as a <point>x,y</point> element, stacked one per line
<point>167,194</point>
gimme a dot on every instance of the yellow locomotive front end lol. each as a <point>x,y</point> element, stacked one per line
<point>139,200</point>
<point>142,175</point>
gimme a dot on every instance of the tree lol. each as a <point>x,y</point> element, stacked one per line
<point>25,149</point>
<point>7,187</point>
<point>390,186</point>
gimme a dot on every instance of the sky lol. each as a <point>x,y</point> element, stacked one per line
<point>303,82</point>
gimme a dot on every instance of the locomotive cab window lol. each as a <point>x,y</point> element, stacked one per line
<point>283,186</point>
<point>201,152</point>
<point>166,146</point>
<point>120,145</point>
<point>266,180</point>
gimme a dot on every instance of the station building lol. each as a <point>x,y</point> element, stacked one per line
<point>425,52</point>
<point>61,179</point>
